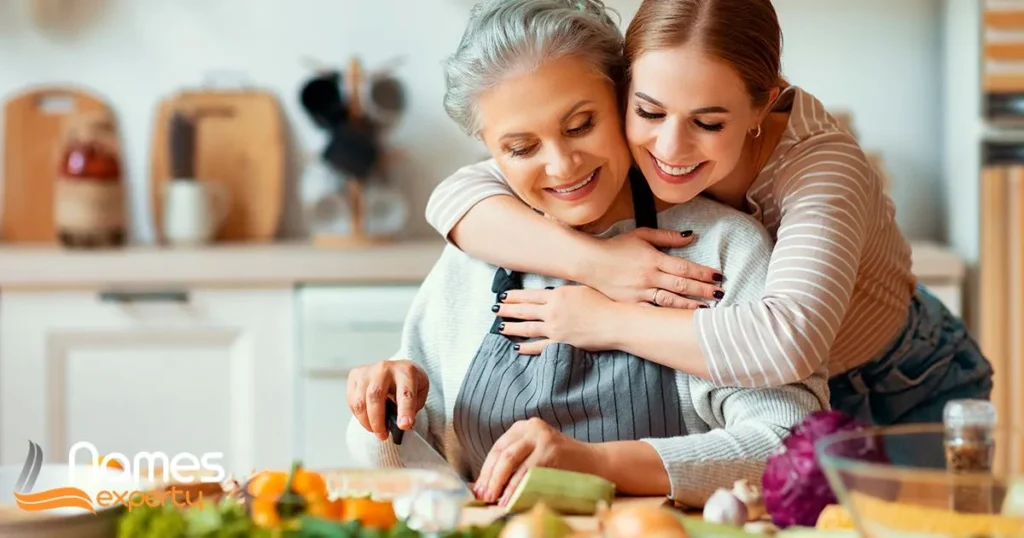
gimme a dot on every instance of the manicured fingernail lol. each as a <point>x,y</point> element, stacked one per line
<point>516,347</point>
<point>719,294</point>
<point>687,233</point>
<point>503,296</point>
<point>501,327</point>
<point>550,288</point>
<point>495,308</point>
<point>717,277</point>
<point>404,422</point>
<point>703,306</point>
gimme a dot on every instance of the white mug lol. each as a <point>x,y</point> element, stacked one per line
<point>194,211</point>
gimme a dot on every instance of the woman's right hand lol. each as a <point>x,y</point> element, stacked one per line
<point>630,268</point>
<point>371,385</point>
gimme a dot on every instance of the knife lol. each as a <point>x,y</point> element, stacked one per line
<point>415,451</point>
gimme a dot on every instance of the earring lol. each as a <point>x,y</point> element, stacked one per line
<point>758,133</point>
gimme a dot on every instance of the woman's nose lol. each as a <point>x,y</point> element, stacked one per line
<point>673,143</point>
<point>563,163</point>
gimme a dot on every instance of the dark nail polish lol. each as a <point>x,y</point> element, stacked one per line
<point>503,296</point>
<point>550,288</point>
<point>516,347</point>
<point>687,233</point>
<point>717,277</point>
<point>719,294</point>
<point>495,308</point>
<point>703,306</point>
<point>501,327</point>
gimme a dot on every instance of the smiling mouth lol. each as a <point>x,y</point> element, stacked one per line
<point>676,170</point>
<point>575,186</point>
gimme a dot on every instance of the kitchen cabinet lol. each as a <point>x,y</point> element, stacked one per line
<point>341,328</point>
<point>194,370</point>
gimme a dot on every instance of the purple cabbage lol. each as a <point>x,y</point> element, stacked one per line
<point>794,486</point>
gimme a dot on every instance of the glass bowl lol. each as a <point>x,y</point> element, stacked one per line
<point>910,491</point>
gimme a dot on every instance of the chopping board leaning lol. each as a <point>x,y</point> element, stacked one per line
<point>34,123</point>
<point>239,143</point>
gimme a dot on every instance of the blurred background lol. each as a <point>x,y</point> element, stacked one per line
<point>213,209</point>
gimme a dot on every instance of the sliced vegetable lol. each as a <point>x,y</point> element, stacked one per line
<point>565,492</point>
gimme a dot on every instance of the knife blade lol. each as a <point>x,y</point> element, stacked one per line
<point>415,451</point>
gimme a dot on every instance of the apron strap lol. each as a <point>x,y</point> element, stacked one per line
<point>644,210</point>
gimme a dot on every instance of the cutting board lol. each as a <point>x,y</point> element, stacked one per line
<point>240,142</point>
<point>33,135</point>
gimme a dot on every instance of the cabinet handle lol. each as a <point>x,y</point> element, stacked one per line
<point>144,296</point>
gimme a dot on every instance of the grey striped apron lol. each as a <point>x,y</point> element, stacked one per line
<point>591,396</point>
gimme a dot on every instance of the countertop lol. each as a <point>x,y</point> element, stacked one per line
<point>237,265</point>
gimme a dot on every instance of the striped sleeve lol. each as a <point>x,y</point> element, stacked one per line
<point>459,192</point>
<point>823,191</point>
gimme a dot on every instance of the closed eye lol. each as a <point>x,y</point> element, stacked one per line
<point>713,127</point>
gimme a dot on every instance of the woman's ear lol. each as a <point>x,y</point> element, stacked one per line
<point>773,95</point>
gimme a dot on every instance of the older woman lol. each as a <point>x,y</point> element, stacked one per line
<point>536,81</point>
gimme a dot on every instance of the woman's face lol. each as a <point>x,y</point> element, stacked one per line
<point>557,136</point>
<point>688,118</point>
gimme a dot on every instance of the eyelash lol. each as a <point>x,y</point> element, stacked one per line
<point>578,131</point>
<point>652,116</point>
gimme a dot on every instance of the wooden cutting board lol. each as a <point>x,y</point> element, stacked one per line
<point>240,142</point>
<point>33,136</point>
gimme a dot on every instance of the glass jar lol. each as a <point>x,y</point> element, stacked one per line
<point>89,204</point>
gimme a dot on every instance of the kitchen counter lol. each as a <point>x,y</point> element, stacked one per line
<point>250,265</point>
<point>228,265</point>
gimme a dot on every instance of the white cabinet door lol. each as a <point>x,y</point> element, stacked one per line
<point>197,371</point>
<point>342,328</point>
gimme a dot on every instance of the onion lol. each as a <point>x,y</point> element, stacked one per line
<point>641,520</point>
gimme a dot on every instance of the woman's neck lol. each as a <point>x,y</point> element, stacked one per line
<point>620,209</point>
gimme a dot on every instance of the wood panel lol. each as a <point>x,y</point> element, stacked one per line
<point>34,125</point>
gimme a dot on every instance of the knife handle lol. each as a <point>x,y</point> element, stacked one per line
<point>391,419</point>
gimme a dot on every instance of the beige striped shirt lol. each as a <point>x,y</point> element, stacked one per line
<point>839,281</point>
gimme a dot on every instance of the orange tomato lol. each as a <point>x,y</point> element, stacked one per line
<point>370,513</point>
<point>309,484</point>
<point>264,514</point>
<point>267,485</point>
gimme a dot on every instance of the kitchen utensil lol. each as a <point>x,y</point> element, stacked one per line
<point>183,147</point>
<point>34,130</point>
<point>321,97</point>
<point>353,148</point>
<point>194,211</point>
<point>240,142</point>
<point>911,496</point>
<point>414,450</point>
<point>385,208</point>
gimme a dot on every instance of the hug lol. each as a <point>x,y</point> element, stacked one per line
<point>508,362</point>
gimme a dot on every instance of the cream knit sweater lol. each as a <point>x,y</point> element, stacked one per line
<point>732,430</point>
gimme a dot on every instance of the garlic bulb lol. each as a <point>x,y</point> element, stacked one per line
<point>750,495</point>
<point>725,508</point>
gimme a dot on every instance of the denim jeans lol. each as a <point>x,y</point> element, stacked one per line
<point>932,361</point>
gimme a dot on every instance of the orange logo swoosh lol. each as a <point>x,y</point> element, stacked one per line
<point>50,499</point>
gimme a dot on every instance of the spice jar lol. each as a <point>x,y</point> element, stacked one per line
<point>970,447</point>
<point>89,204</point>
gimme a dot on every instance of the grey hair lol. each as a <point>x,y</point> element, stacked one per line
<point>505,35</point>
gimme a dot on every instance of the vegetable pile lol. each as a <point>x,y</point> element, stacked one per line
<point>278,504</point>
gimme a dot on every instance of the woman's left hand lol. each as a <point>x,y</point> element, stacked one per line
<point>527,444</point>
<point>575,315</point>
